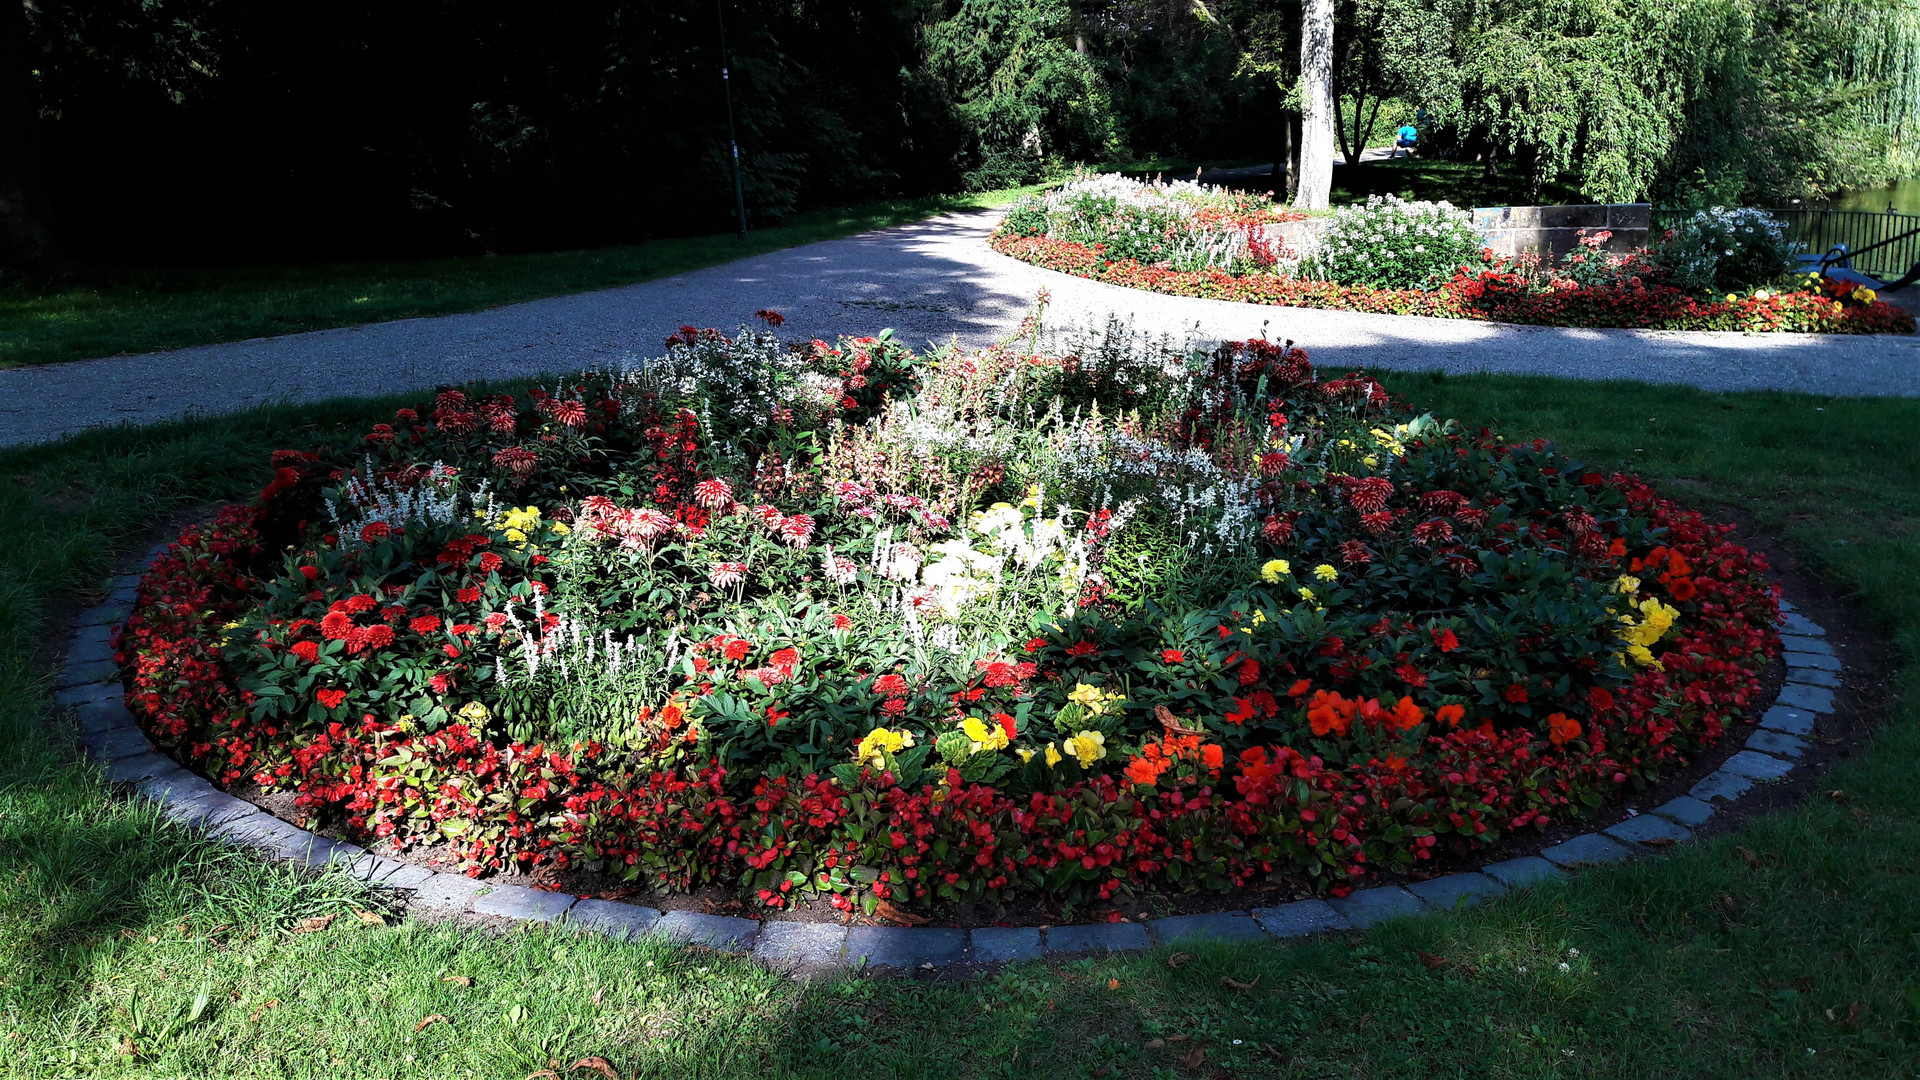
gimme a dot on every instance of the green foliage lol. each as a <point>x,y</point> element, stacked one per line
<point>1022,99</point>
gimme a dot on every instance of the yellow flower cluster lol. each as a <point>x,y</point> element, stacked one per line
<point>1274,570</point>
<point>1087,746</point>
<point>1094,699</point>
<point>475,713</point>
<point>1640,634</point>
<point>985,736</point>
<point>879,742</point>
<point>519,522</point>
<point>1325,572</point>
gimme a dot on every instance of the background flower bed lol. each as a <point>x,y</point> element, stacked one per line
<point>1236,716</point>
<point>1721,270</point>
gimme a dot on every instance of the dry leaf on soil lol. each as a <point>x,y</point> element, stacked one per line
<point>597,1064</point>
<point>1197,1058</point>
<point>371,918</point>
<point>318,922</point>
<point>884,910</point>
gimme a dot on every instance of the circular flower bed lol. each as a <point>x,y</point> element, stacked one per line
<point>843,621</point>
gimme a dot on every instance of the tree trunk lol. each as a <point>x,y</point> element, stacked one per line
<point>1283,156</point>
<point>1316,105</point>
<point>26,242</point>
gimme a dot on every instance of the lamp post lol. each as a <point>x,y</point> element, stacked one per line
<point>733,141</point>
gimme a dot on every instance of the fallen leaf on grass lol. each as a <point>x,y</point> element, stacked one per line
<point>1232,983</point>
<point>544,1074</point>
<point>1429,959</point>
<point>597,1064</point>
<point>457,980</point>
<point>1852,1018</point>
<point>318,922</point>
<point>1179,959</point>
<point>1113,984</point>
<point>432,1018</point>
<point>1156,1044</point>
<point>1837,795</point>
<point>371,918</point>
<point>884,910</point>
<point>1196,1059</point>
<point>1747,856</point>
<point>273,1003</point>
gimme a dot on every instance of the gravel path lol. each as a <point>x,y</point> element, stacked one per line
<point>931,281</point>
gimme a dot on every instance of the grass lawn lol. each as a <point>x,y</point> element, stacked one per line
<point>130,311</point>
<point>128,948</point>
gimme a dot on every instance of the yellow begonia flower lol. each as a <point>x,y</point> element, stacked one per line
<point>1053,756</point>
<point>985,736</point>
<point>1306,593</point>
<point>475,712</point>
<point>1092,698</point>
<point>1627,583</point>
<point>1865,296</point>
<point>1325,572</point>
<point>869,752</point>
<point>1025,754</point>
<point>1274,570</point>
<point>1370,461</point>
<point>1087,746</point>
<point>1259,617</point>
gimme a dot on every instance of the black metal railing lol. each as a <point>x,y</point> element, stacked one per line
<point>1881,245</point>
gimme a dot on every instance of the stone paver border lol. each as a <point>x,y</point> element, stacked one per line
<point>88,684</point>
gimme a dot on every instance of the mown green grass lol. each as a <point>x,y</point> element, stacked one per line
<point>131,311</point>
<point>1696,964</point>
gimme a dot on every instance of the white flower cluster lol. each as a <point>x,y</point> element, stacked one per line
<point>1391,243</point>
<point>1152,222</point>
<point>434,498</point>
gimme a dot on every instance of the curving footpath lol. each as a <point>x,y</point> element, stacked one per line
<point>932,281</point>
<point>89,683</point>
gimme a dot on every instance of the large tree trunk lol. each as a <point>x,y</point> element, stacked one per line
<point>26,243</point>
<point>1316,105</point>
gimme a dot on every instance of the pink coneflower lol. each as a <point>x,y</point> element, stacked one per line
<point>713,494</point>
<point>839,569</point>
<point>567,411</point>
<point>648,523</point>
<point>723,575</point>
<point>517,460</point>
<point>1369,494</point>
<point>797,530</point>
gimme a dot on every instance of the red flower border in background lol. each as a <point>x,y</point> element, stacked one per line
<point>1492,295</point>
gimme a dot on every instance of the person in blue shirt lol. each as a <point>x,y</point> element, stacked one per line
<point>1408,136</point>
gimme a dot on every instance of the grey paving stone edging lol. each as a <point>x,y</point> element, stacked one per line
<point>109,734</point>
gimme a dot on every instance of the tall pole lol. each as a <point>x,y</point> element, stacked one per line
<point>733,141</point>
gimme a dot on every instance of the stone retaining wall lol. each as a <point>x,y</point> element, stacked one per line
<point>1555,230</point>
